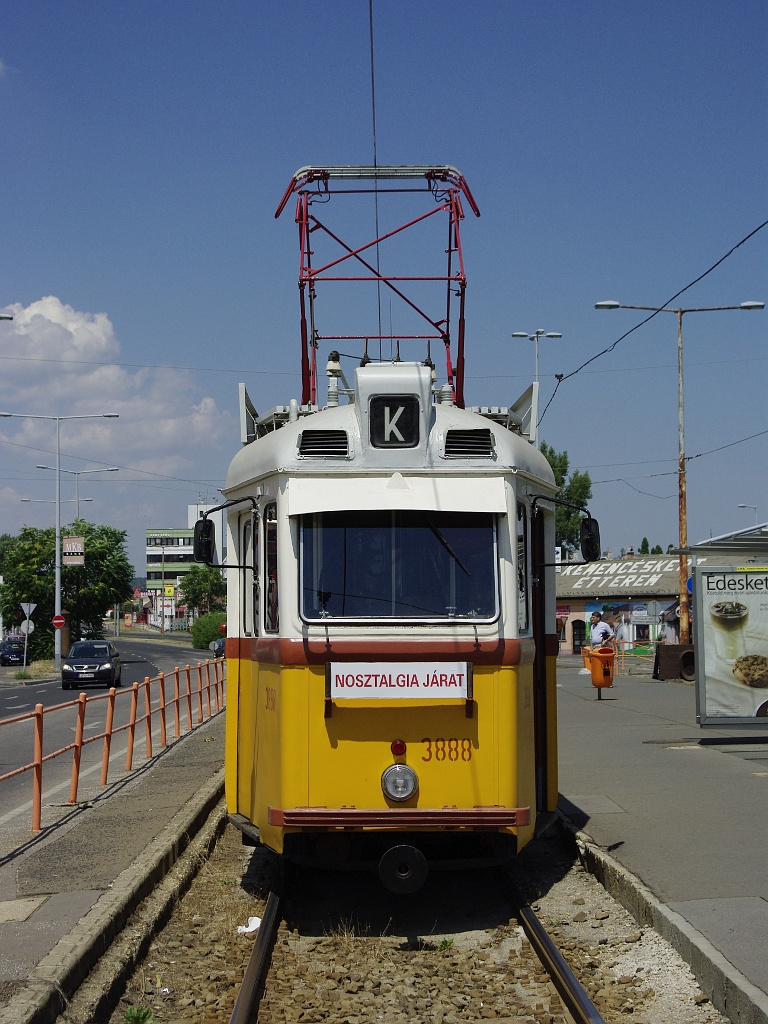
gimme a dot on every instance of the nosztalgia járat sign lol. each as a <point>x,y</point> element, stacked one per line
<point>403,680</point>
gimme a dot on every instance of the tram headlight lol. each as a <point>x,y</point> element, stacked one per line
<point>399,782</point>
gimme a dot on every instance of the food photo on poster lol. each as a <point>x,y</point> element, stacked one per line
<point>731,634</point>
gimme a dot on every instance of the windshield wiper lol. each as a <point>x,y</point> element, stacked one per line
<point>448,547</point>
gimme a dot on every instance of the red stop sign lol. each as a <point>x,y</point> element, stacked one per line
<point>58,621</point>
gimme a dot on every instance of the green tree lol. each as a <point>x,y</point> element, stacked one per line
<point>657,550</point>
<point>203,587</point>
<point>206,629</point>
<point>576,489</point>
<point>87,591</point>
<point>6,543</point>
<point>644,548</point>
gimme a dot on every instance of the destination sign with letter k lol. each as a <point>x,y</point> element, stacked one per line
<point>394,421</point>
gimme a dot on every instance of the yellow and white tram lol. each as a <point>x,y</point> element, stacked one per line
<point>391,629</point>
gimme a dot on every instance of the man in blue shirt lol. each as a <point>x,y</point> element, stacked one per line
<point>600,632</point>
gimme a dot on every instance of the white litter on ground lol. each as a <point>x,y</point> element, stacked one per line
<point>254,923</point>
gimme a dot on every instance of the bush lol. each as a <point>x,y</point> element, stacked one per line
<point>206,628</point>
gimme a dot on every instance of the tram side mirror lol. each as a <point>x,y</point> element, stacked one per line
<point>204,542</point>
<point>589,530</point>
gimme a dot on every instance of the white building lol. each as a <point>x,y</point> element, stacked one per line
<point>169,559</point>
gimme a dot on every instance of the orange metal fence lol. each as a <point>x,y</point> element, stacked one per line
<point>640,650</point>
<point>190,686</point>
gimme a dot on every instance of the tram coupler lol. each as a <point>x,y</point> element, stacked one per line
<point>403,869</point>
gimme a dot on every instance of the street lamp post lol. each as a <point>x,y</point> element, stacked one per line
<point>77,473</point>
<point>52,501</point>
<point>58,420</point>
<point>535,338</point>
<point>685,631</point>
<point>753,507</point>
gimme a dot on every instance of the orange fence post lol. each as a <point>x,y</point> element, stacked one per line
<point>132,727</point>
<point>216,667</point>
<point>176,703</point>
<point>163,737</point>
<point>108,735</point>
<point>207,688</point>
<point>199,693</point>
<point>188,671</point>
<point>78,748</point>
<point>37,773</point>
<point>148,716</point>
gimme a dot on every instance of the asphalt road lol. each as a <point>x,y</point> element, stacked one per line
<point>141,657</point>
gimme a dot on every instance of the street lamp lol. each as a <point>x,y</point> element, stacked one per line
<point>58,419</point>
<point>77,473</point>
<point>685,631</point>
<point>535,337</point>
<point>752,507</point>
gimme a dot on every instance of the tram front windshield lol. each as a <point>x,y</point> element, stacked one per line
<point>399,565</point>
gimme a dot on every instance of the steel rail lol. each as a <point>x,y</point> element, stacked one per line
<point>565,981</point>
<point>247,1000</point>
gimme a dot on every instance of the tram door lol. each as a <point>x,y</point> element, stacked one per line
<point>541,709</point>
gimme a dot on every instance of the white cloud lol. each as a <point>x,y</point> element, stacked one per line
<point>58,361</point>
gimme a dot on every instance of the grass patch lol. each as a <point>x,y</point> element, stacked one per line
<point>37,670</point>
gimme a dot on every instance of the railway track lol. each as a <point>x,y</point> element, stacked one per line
<point>344,974</point>
<point>338,948</point>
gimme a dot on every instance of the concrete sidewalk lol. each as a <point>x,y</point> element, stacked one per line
<point>684,810</point>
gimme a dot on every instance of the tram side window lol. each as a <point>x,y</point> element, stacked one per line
<point>522,570</point>
<point>271,611</point>
<point>249,580</point>
<point>399,565</point>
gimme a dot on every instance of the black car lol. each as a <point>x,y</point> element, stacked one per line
<point>91,661</point>
<point>11,653</point>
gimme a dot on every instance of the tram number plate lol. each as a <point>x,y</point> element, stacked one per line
<point>451,749</point>
<point>399,680</point>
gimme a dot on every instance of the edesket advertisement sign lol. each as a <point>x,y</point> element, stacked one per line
<point>731,637</point>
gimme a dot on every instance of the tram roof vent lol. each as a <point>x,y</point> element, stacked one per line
<point>323,444</point>
<point>469,444</point>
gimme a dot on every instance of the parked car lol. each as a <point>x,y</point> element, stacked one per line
<point>91,661</point>
<point>217,646</point>
<point>11,652</point>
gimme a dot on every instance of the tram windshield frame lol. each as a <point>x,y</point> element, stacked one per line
<point>399,565</point>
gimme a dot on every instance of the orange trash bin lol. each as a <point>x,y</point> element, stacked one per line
<point>602,668</point>
<point>586,653</point>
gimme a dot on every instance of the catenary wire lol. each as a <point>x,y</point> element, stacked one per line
<point>610,348</point>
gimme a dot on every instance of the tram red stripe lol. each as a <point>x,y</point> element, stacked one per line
<point>303,651</point>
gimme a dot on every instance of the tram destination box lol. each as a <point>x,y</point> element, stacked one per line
<point>402,680</point>
<point>731,637</point>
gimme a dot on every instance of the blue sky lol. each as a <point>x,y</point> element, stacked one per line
<point>616,151</point>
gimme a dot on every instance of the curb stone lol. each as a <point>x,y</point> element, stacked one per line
<point>727,988</point>
<point>59,974</point>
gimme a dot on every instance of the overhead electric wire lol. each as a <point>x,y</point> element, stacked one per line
<point>605,351</point>
<point>673,472</point>
<point>147,366</point>
<point>130,469</point>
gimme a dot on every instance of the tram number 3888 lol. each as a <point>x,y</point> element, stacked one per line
<point>452,749</point>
